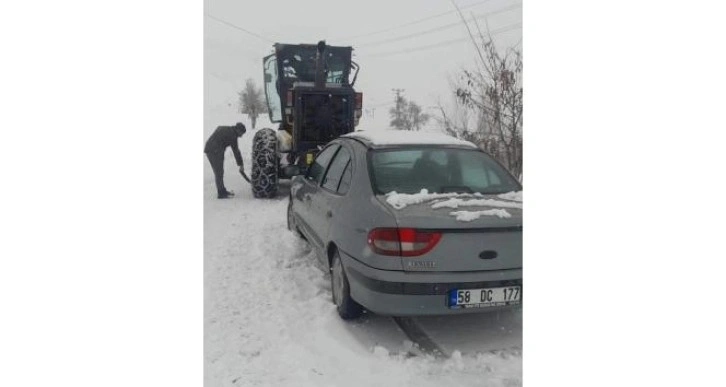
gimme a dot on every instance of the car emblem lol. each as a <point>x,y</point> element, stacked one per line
<point>413,265</point>
<point>488,254</point>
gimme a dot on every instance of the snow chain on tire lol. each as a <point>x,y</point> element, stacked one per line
<point>264,164</point>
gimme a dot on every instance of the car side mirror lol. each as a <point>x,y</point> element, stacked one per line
<point>291,170</point>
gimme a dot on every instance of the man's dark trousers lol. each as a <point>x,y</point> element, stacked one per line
<point>216,159</point>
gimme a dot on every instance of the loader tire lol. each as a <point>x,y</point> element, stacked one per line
<point>264,164</point>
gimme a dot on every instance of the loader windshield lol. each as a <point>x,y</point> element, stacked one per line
<point>297,63</point>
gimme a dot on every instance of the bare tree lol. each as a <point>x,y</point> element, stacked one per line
<point>488,105</point>
<point>415,116</point>
<point>252,102</point>
<point>407,115</point>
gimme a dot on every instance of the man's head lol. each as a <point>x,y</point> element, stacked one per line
<point>240,129</point>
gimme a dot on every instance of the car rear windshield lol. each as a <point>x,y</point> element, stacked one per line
<point>411,169</point>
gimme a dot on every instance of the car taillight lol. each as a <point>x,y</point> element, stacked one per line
<point>359,100</point>
<point>405,242</point>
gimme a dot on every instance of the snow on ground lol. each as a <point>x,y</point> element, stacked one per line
<point>269,319</point>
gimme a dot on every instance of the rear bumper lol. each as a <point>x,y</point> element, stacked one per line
<point>400,293</point>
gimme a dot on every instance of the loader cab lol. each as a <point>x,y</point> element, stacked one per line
<point>314,105</point>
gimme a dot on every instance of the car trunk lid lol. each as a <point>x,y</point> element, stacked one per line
<point>478,232</point>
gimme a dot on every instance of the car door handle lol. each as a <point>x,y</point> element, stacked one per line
<point>329,214</point>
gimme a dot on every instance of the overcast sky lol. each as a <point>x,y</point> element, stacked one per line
<point>379,32</point>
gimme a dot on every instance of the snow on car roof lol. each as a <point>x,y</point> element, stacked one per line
<point>406,137</point>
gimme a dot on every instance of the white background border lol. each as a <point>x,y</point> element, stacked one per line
<point>101,136</point>
<point>101,139</point>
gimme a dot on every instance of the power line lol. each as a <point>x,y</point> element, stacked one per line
<point>238,28</point>
<point>381,104</point>
<point>441,28</point>
<point>225,80</point>
<point>463,19</point>
<point>413,22</point>
<point>421,48</point>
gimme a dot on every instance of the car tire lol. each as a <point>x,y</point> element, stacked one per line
<point>347,308</point>
<point>264,164</point>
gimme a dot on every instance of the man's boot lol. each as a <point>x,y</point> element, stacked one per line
<point>225,195</point>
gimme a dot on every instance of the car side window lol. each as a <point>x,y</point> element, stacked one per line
<point>317,169</point>
<point>345,180</point>
<point>335,172</point>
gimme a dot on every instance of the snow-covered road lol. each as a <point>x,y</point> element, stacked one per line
<point>269,320</point>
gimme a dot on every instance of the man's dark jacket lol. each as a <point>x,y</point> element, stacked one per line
<point>223,137</point>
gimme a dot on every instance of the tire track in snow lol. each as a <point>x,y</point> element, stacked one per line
<point>417,335</point>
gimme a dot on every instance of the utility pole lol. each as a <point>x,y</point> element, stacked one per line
<point>399,106</point>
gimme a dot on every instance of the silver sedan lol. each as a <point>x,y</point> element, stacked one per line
<point>412,224</point>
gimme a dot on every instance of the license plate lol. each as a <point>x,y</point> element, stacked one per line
<point>483,298</point>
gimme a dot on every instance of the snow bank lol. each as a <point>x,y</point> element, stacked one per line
<point>468,216</point>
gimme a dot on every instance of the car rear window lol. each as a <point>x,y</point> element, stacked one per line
<point>411,169</point>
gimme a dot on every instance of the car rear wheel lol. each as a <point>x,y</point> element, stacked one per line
<point>347,308</point>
